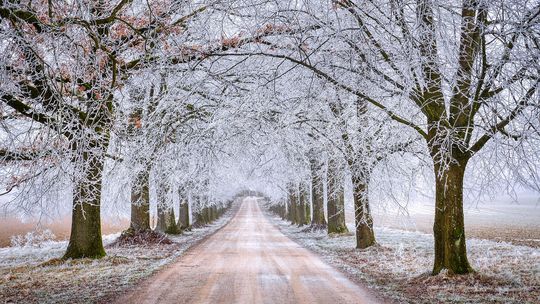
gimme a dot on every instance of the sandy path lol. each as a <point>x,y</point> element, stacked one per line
<point>249,261</point>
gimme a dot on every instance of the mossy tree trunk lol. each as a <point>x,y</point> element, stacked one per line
<point>449,226</point>
<point>85,239</point>
<point>365,237</point>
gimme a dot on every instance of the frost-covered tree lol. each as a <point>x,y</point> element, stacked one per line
<point>68,69</point>
<point>67,66</point>
<point>461,75</point>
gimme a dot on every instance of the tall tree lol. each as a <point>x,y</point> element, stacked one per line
<point>459,76</point>
<point>69,64</point>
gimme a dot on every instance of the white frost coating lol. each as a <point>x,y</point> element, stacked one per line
<point>405,256</point>
<point>39,251</point>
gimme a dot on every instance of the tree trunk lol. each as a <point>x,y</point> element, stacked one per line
<point>165,213</point>
<point>161,218</point>
<point>140,203</point>
<point>317,195</point>
<point>308,208</point>
<point>365,237</point>
<point>183,217</point>
<point>215,214</point>
<point>206,215</point>
<point>301,207</point>
<point>199,218</point>
<point>288,206</point>
<point>283,211</point>
<point>449,227</point>
<point>196,211</point>
<point>335,202</point>
<point>85,238</point>
<point>293,197</point>
<point>303,204</point>
<point>170,222</point>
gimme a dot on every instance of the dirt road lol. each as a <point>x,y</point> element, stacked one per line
<point>249,261</point>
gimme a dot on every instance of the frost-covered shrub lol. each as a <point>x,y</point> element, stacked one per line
<point>33,238</point>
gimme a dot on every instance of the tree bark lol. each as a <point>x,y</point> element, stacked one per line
<point>335,201</point>
<point>365,237</point>
<point>293,197</point>
<point>206,215</point>
<point>85,239</point>
<point>303,204</point>
<point>300,207</point>
<point>166,221</point>
<point>200,214</point>
<point>183,217</point>
<point>449,226</point>
<point>215,214</point>
<point>317,186</point>
<point>283,211</point>
<point>140,203</point>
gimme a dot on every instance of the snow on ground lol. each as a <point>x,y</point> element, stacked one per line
<point>33,273</point>
<point>398,267</point>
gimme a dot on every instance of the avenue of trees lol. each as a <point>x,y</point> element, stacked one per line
<point>101,102</point>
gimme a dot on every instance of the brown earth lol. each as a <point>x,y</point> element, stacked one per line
<point>249,261</point>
